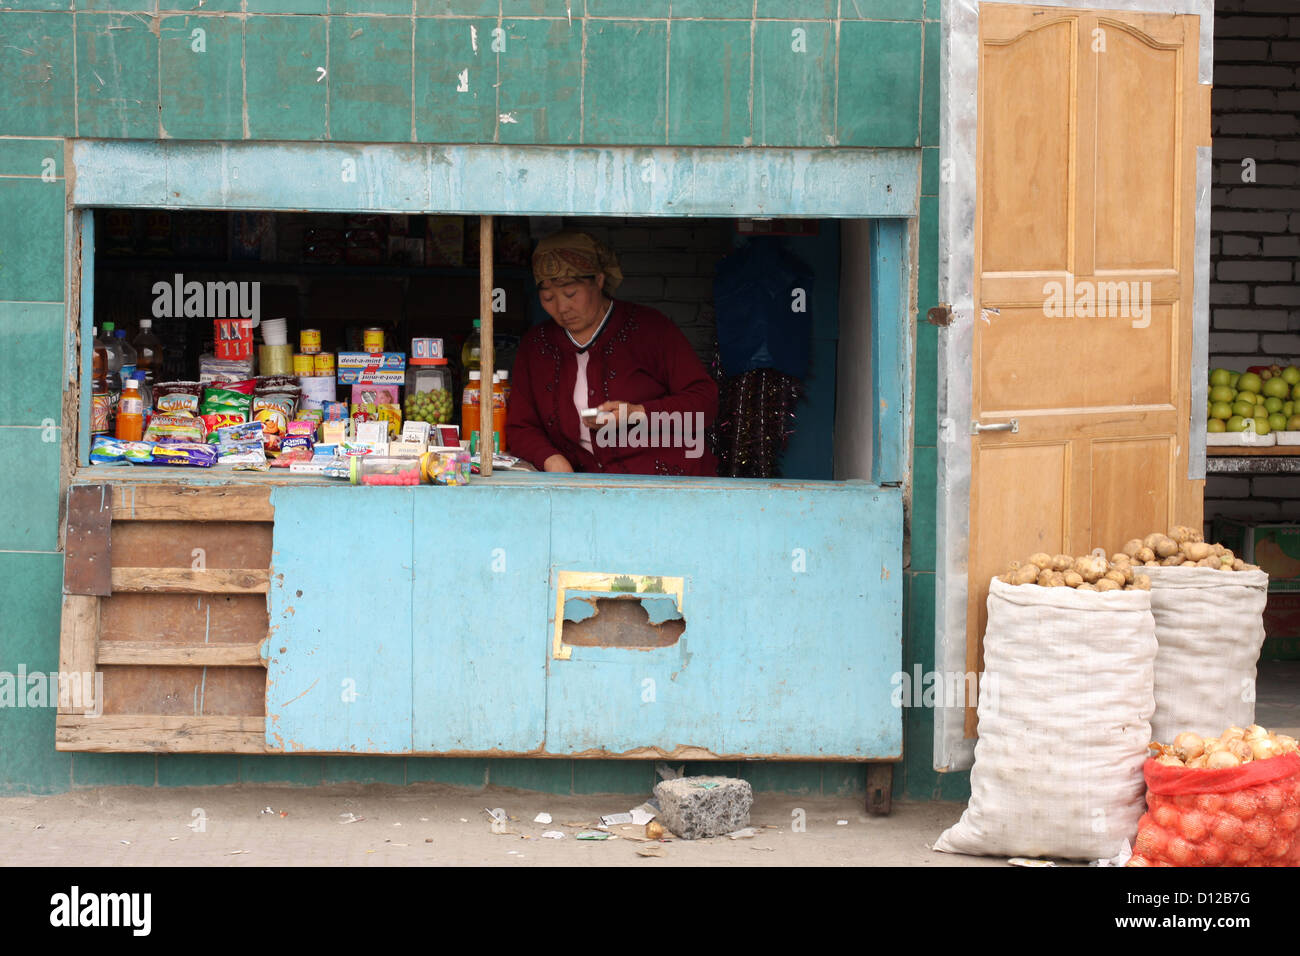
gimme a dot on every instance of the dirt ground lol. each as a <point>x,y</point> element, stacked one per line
<point>433,825</point>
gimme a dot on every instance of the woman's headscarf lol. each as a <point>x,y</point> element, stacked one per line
<point>569,255</point>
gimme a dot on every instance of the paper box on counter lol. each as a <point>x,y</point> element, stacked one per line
<point>426,348</point>
<point>372,360</point>
<point>335,431</point>
<point>407,448</point>
<point>416,431</point>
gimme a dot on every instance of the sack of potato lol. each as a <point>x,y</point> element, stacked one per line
<point>1230,800</point>
<point>1209,628</point>
<point>1065,672</point>
<point>1091,572</point>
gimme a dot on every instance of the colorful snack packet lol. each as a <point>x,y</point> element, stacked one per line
<point>174,398</point>
<point>139,452</point>
<point>187,454</point>
<point>225,401</point>
<point>221,420</point>
<point>175,428</point>
<point>106,450</point>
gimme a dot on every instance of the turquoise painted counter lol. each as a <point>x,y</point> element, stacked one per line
<point>423,620</point>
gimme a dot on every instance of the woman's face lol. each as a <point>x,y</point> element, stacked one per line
<point>576,304</point>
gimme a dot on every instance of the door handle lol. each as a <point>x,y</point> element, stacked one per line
<point>1012,426</point>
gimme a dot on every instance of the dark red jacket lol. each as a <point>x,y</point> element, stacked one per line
<point>639,357</point>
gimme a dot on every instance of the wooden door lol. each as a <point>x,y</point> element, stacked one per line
<point>1085,215</point>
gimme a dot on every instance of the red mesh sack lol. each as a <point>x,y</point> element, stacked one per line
<point>1241,816</point>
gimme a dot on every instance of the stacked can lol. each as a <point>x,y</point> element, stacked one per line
<point>323,363</point>
<point>372,340</point>
<point>309,341</point>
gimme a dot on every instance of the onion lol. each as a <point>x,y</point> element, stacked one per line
<point>1285,743</point>
<point>1189,744</point>
<point>1256,732</point>
<point>1211,744</point>
<point>1241,750</point>
<point>1233,732</point>
<point>1263,748</point>
<point>1222,760</point>
<point>1198,763</point>
<point>1169,760</point>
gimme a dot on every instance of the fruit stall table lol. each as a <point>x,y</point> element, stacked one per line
<point>1275,460</point>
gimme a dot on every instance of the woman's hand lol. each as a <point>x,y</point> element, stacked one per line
<point>623,411</point>
<point>557,463</point>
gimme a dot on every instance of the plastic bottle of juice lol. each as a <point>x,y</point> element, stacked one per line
<point>148,348</point>
<point>469,352</point>
<point>505,384</point>
<point>130,413</point>
<point>469,405</point>
<point>114,361</point>
<point>100,405</point>
<point>499,411</point>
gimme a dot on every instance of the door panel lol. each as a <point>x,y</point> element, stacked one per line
<point>1086,165</point>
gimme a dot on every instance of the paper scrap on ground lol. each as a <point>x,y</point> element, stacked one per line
<point>1022,861</point>
<point>542,818</point>
<point>595,835</point>
<point>743,834</point>
<point>612,819</point>
<point>642,815</point>
<point>650,849</point>
<point>553,835</point>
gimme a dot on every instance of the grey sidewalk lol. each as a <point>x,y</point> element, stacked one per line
<point>433,825</point>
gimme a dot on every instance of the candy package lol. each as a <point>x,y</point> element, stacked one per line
<point>106,450</point>
<point>187,454</point>
<point>220,420</point>
<point>447,466</point>
<point>273,411</point>
<point>313,415</point>
<point>244,433</point>
<point>175,428</point>
<point>139,452</point>
<point>390,413</point>
<point>224,400</point>
<point>334,411</point>
<point>177,398</point>
<point>307,428</point>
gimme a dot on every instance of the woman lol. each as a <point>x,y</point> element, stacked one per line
<point>628,361</point>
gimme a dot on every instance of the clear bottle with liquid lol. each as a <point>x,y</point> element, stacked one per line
<point>469,352</point>
<point>128,355</point>
<point>113,361</point>
<point>101,406</point>
<point>149,353</point>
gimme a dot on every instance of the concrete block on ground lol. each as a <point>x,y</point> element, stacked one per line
<point>694,808</point>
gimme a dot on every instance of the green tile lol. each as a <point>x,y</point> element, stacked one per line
<point>482,8</point>
<point>954,786</point>
<point>924,478</point>
<point>643,9</point>
<point>197,770</point>
<point>36,57</point>
<point>882,9</point>
<point>288,6</point>
<point>26,157</point>
<point>114,770</point>
<point>626,82</point>
<point>36,5</point>
<point>925,408</point>
<point>708,98</point>
<point>117,76</point>
<point>880,83</point>
<point>276,768</point>
<point>121,6</point>
<point>31,240</point>
<point>712,9</point>
<point>397,7</point>
<point>930,171</point>
<point>444,112</point>
<point>543,775</point>
<point>31,362</point>
<point>31,491</point>
<point>930,90</point>
<point>286,96</point>
<point>783,777</point>
<point>453,771</point>
<point>202,92</point>
<point>918,722</point>
<point>797,9</point>
<point>709,768</point>
<point>634,777</point>
<point>794,75</point>
<point>541,82</point>
<point>370,79</point>
<point>933,9</point>
<point>517,8</point>
<point>365,769</point>
<point>194,6</point>
<point>30,588</point>
<point>927,272</point>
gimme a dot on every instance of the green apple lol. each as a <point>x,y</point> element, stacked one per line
<point>1221,376</point>
<point>1291,375</point>
<point>1293,423</point>
<point>1262,426</point>
<point>1260,412</point>
<point>1250,382</point>
<point>1215,425</point>
<point>1288,409</point>
<point>1276,387</point>
<point>1258,399</point>
<point>1234,378</point>
<point>1277,421</point>
<point>1244,409</point>
<point>1236,424</point>
<point>1221,393</point>
<point>1273,404</point>
<point>1221,410</point>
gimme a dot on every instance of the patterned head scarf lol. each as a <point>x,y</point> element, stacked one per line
<point>569,255</point>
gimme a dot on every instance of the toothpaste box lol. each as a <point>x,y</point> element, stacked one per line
<point>371,368</point>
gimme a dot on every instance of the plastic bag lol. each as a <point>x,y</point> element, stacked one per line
<point>1241,816</point>
<point>1209,629</point>
<point>1064,722</point>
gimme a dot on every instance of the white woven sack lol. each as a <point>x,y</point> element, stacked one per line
<point>1209,630</point>
<point>1064,723</point>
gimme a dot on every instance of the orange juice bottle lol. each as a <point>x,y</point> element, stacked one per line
<point>469,405</point>
<point>499,411</point>
<point>130,412</point>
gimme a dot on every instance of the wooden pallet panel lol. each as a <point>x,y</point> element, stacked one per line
<point>189,581</point>
<point>192,545</point>
<point>181,619</point>
<point>237,503</point>
<point>152,734</point>
<point>184,691</point>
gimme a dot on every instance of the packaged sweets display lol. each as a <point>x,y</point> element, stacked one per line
<point>175,428</point>
<point>185,454</point>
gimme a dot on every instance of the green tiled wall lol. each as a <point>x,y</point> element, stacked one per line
<point>615,72</point>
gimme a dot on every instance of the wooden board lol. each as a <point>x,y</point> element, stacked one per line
<point>78,645</point>
<point>187,581</point>
<point>183,618</point>
<point>191,544</point>
<point>162,653</point>
<point>153,734</point>
<point>1245,451</point>
<point>87,558</point>
<point>1068,101</point>
<point>182,691</point>
<point>192,503</point>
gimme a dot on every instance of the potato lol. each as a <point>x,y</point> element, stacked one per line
<point>1227,555</point>
<point>1055,579</point>
<point>1238,564</point>
<point>1043,578</point>
<point>1107,584</point>
<point>1196,550</point>
<point>1145,555</point>
<point>1180,534</point>
<point>1211,562</point>
<point>1131,548</point>
<point>1166,547</point>
<point>1073,579</point>
<point>1044,561</point>
<point>1173,561</point>
<point>1027,575</point>
<point>1085,586</point>
<point>1061,562</point>
<point>1141,582</point>
<point>1217,549</point>
<point>1120,558</point>
<point>1151,540</point>
<point>1090,567</point>
<point>1113,575</point>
